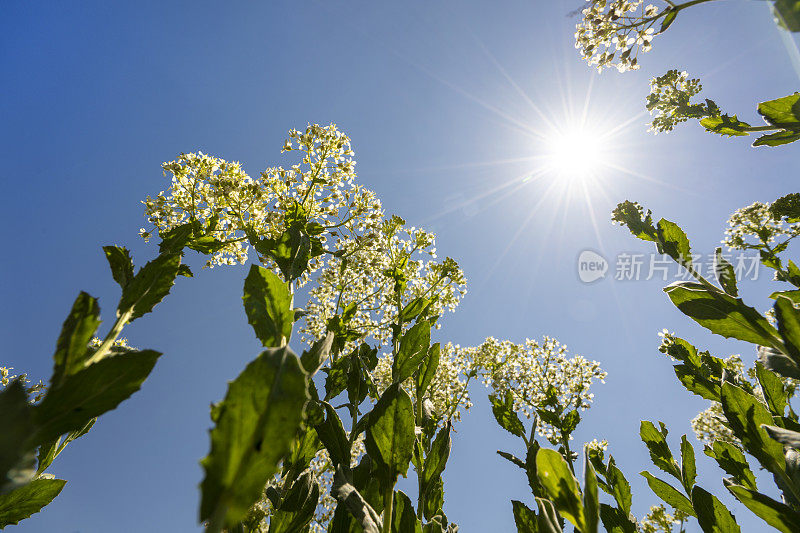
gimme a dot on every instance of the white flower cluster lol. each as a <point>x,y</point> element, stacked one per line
<point>120,344</point>
<point>669,100</point>
<point>448,393</point>
<point>35,392</point>
<point>616,30</point>
<point>231,205</point>
<point>658,520</point>
<point>597,446</point>
<point>531,371</point>
<point>755,222</point>
<point>709,426</point>
<point>366,273</point>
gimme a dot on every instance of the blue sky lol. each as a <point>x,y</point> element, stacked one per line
<point>439,99</point>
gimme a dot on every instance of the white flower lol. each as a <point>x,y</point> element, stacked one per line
<point>611,27</point>
<point>210,190</point>
<point>365,276</point>
<point>35,392</point>
<point>669,98</point>
<point>753,225</point>
<point>537,375</point>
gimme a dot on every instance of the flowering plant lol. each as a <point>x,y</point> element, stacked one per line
<point>750,414</point>
<point>612,33</point>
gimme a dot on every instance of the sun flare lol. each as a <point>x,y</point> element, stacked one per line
<point>576,154</point>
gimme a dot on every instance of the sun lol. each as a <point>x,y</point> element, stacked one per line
<point>576,154</point>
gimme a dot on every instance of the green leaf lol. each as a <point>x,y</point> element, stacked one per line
<point>268,305</point>
<point>87,394</point>
<point>390,432</point>
<point>313,358</point>
<point>437,457</point>
<point>711,514</point>
<point>620,488</point>
<point>591,502</point>
<point>403,518</point>
<point>314,229</point>
<point>788,317</point>
<point>777,514</point>
<point>656,443</point>
<point>331,433</point>
<point>434,498</point>
<point>781,364</point>
<point>291,252</point>
<point>413,348</point>
<point>119,259</point>
<point>688,467</point>
<point>778,138</point>
<point>696,383</point>
<point>17,426</point>
<point>673,241</point>
<point>503,411</point>
<point>559,482</point>
<point>337,373</point>
<point>50,450</point>
<point>721,313</point>
<point>184,270</point>
<point>786,207</point>
<point>787,14</point>
<point>427,369</point>
<point>73,342</point>
<point>570,421</point>
<point>355,503</point>
<point>26,500</point>
<point>414,308</point>
<point>669,494</point>
<point>725,125</point>
<point>298,505</point>
<point>725,274</point>
<point>205,244</point>
<point>745,416</point>
<point>615,520</point>
<point>731,459</point>
<point>303,449</point>
<point>512,459</point>
<point>524,518</point>
<point>174,240</point>
<point>530,469</point>
<point>668,19</point>
<point>149,286</point>
<point>255,426</point>
<point>549,521</point>
<point>772,387</point>
<point>782,111</point>
<point>784,436</point>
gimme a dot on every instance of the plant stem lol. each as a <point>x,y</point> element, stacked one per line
<point>690,4</point>
<point>116,329</point>
<point>567,451</point>
<point>388,498</point>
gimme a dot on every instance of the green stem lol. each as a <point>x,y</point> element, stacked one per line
<point>690,4</point>
<point>112,336</point>
<point>567,451</point>
<point>388,501</point>
<point>418,418</point>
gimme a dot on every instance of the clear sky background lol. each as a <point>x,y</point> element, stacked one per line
<point>440,99</point>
